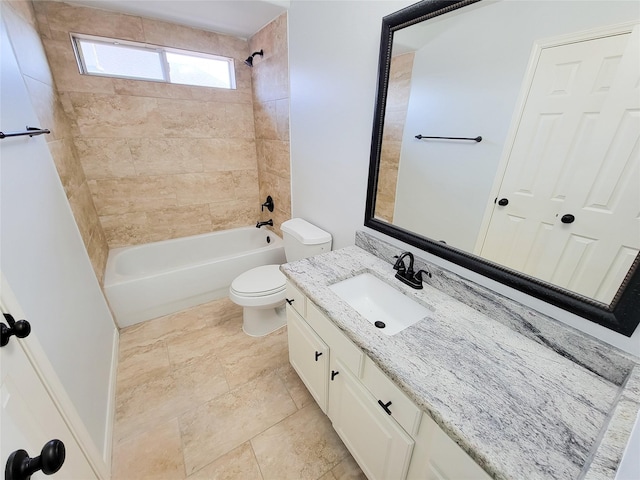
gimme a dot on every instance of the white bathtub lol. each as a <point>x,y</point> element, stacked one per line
<point>147,281</point>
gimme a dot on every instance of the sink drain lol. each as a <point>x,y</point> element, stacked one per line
<point>380,324</point>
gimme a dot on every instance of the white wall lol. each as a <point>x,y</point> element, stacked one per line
<point>469,91</point>
<point>43,258</point>
<point>333,61</point>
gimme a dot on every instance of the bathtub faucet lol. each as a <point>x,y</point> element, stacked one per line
<point>268,222</point>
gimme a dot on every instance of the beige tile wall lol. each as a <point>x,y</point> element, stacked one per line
<point>271,111</point>
<point>394,121</point>
<point>21,23</point>
<point>162,161</point>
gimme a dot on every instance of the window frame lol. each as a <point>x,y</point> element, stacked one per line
<point>162,55</point>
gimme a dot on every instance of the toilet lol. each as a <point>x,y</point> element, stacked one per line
<point>261,290</point>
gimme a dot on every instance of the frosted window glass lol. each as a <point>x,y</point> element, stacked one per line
<point>206,72</point>
<point>121,60</point>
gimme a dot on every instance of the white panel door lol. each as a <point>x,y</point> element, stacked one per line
<point>576,153</point>
<point>29,417</point>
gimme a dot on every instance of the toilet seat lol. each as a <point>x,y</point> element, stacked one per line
<point>261,281</point>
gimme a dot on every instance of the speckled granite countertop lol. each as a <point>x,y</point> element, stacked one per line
<point>514,404</point>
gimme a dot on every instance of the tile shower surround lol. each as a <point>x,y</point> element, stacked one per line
<point>165,161</point>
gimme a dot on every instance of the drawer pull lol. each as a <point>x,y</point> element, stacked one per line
<point>318,355</point>
<point>385,406</point>
<point>290,302</point>
<point>333,374</point>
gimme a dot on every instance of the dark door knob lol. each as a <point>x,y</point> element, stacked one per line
<point>568,218</point>
<point>503,202</point>
<point>21,467</point>
<point>20,329</point>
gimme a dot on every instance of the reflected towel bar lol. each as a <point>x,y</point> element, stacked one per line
<point>31,131</point>
<point>477,139</point>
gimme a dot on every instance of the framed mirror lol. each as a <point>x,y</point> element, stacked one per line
<point>506,139</point>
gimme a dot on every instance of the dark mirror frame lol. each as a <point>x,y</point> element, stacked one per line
<point>622,315</point>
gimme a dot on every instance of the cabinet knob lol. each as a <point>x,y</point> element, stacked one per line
<point>333,374</point>
<point>385,406</point>
<point>290,302</point>
<point>318,354</point>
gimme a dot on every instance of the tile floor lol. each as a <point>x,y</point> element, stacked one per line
<point>198,399</point>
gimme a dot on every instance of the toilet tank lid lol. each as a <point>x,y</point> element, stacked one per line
<point>305,232</point>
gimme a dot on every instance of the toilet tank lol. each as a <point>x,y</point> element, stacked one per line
<point>302,239</point>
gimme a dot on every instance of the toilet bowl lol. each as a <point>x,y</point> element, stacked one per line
<point>261,291</point>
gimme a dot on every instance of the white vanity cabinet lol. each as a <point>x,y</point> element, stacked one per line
<point>384,430</point>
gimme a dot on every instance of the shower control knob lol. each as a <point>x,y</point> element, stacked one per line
<point>503,202</point>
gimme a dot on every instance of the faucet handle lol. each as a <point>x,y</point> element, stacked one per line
<point>399,265</point>
<point>419,273</point>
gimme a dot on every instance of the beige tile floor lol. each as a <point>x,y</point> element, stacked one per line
<point>198,399</point>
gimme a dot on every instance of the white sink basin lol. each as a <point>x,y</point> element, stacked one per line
<point>379,302</point>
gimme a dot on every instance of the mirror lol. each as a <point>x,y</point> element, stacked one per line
<point>460,198</point>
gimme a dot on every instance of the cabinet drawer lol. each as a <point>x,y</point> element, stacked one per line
<point>403,410</point>
<point>296,299</point>
<point>339,345</point>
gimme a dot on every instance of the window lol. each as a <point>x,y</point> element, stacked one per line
<point>124,59</point>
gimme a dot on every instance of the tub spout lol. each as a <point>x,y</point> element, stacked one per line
<point>268,222</point>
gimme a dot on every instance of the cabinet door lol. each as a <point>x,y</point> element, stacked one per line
<point>437,457</point>
<point>309,356</point>
<point>379,445</point>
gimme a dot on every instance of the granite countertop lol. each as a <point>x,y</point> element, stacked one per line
<point>517,406</point>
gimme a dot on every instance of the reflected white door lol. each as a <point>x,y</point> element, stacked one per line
<point>29,417</point>
<point>580,128</point>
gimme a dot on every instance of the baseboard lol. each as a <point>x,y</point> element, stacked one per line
<point>111,403</point>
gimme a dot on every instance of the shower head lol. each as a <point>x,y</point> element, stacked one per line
<point>249,61</point>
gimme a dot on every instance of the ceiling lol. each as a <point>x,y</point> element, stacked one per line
<point>240,18</point>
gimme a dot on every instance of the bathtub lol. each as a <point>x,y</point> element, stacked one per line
<point>147,281</point>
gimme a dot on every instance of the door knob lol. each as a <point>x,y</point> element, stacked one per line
<point>21,467</point>
<point>20,329</point>
<point>503,202</point>
<point>568,218</point>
